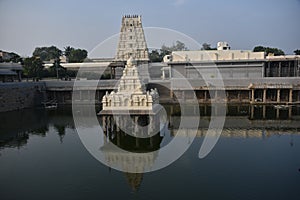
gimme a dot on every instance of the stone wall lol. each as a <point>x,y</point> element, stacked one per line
<point>19,95</point>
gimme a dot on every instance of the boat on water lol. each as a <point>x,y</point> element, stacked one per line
<point>282,106</point>
<point>50,104</point>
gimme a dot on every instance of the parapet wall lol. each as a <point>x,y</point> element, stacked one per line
<point>19,95</point>
<point>15,96</point>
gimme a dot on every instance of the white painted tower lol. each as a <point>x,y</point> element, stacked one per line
<point>132,42</point>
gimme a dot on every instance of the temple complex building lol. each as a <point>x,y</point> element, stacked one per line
<point>248,77</point>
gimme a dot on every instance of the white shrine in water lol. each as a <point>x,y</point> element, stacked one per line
<point>131,95</point>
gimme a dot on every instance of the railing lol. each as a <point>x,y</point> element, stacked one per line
<point>81,85</point>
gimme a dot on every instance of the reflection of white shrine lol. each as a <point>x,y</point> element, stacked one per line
<point>129,162</point>
<point>132,164</point>
<point>131,94</point>
<point>130,154</point>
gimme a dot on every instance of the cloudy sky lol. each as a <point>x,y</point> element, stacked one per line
<point>26,24</point>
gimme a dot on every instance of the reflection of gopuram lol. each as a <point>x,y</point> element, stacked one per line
<point>139,136</point>
<point>135,160</point>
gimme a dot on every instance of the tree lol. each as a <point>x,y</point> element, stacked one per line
<point>10,57</point>
<point>179,46</point>
<point>158,55</point>
<point>56,67</point>
<point>155,56</point>
<point>267,50</point>
<point>78,55</point>
<point>33,67</point>
<point>259,49</point>
<point>206,47</point>
<point>15,58</point>
<point>67,51</point>
<point>297,52</point>
<point>75,55</point>
<point>47,53</point>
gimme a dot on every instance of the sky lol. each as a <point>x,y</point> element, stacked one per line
<point>26,24</point>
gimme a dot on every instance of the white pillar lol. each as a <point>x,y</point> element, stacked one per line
<point>278,95</point>
<point>291,96</point>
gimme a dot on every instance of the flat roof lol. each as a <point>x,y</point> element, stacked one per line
<point>11,66</point>
<point>83,65</point>
<point>216,55</point>
<point>7,72</point>
<point>284,57</point>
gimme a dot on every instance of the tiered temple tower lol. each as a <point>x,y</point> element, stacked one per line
<point>132,41</point>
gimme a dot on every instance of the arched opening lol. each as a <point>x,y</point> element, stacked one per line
<point>126,102</point>
<point>143,102</point>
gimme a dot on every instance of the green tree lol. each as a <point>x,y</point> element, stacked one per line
<point>267,50</point>
<point>57,69</point>
<point>178,46</point>
<point>47,53</point>
<point>155,56</point>
<point>75,55</point>
<point>68,50</point>
<point>206,47</point>
<point>158,55</point>
<point>10,57</point>
<point>15,58</point>
<point>297,52</point>
<point>33,67</point>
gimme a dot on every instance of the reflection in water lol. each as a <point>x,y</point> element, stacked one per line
<point>118,131</point>
<point>134,180</point>
<point>17,126</point>
<point>243,121</point>
<point>17,140</point>
<point>61,130</point>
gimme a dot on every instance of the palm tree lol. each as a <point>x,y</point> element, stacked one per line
<point>57,67</point>
<point>68,51</point>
